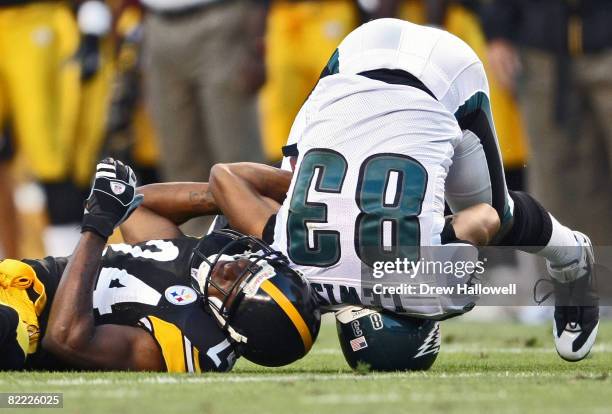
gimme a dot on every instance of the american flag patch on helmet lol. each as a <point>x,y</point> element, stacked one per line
<point>359,343</point>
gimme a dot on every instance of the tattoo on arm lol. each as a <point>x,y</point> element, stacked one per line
<point>199,198</point>
<point>179,202</point>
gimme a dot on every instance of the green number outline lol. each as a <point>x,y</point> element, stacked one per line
<point>399,196</point>
<point>299,206</point>
<point>302,191</point>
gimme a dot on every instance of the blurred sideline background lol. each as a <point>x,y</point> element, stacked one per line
<point>173,86</point>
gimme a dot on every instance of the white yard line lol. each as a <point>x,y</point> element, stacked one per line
<point>279,378</point>
<point>423,397</point>
<point>471,349</point>
<point>350,399</point>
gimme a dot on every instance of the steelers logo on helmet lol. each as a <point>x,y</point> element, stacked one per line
<point>268,309</point>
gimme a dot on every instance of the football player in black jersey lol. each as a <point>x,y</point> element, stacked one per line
<point>166,302</point>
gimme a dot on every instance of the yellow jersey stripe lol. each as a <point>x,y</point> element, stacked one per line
<point>196,360</point>
<point>170,340</point>
<point>291,312</point>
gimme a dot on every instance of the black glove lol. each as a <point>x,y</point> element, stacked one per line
<point>112,198</point>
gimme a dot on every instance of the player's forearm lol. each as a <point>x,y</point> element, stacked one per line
<point>179,202</point>
<point>265,180</point>
<point>248,194</point>
<point>71,321</point>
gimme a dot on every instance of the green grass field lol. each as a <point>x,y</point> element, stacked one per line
<point>482,367</point>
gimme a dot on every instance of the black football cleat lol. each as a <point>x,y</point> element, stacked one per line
<point>575,330</point>
<point>576,317</point>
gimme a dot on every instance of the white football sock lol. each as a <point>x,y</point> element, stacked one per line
<point>562,248</point>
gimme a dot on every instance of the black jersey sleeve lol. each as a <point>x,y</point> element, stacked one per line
<point>49,271</point>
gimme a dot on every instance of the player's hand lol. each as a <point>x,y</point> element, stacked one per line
<point>112,198</point>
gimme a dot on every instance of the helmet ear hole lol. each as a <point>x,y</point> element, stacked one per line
<point>381,341</point>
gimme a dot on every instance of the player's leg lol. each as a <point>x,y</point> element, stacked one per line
<point>8,224</point>
<point>476,176</point>
<point>9,241</point>
<point>30,79</point>
<point>91,126</point>
<point>173,104</point>
<point>176,109</point>
<point>227,106</point>
<point>37,97</point>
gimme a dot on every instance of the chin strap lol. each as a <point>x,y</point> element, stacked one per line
<point>222,322</point>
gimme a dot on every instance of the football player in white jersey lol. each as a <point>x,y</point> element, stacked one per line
<point>399,124</point>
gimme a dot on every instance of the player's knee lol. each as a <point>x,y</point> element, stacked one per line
<point>490,222</point>
<point>486,224</point>
<point>477,224</point>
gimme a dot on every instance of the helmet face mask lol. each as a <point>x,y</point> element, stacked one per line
<point>236,285</point>
<point>222,290</point>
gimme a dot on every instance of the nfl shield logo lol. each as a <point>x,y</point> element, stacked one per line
<point>118,188</point>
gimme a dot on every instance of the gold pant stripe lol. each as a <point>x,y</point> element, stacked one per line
<point>170,340</point>
<point>291,312</point>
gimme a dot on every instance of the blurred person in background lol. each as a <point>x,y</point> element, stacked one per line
<point>203,67</point>
<point>300,38</point>
<point>56,87</point>
<point>37,86</point>
<point>130,132</point>
<point>96,57</point>
<point>557,56</point>
<point>9,242</point>
<point>111,120</point>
